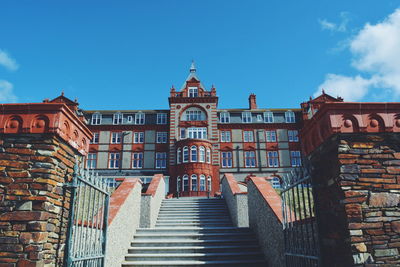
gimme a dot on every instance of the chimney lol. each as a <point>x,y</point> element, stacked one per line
<point>252,101</point>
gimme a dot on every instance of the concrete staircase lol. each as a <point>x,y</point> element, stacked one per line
<point>194,232</point>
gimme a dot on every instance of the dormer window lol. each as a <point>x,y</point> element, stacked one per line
<point>268,117</point>
<point>193,92</point>
<point>224,117</point>
<point>246,117</point>
<point>96,118</point>
<point>289,116</point>
<point>117,118</point>
<point>139,118</point>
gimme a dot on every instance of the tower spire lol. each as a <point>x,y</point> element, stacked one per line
<point>192,67</point>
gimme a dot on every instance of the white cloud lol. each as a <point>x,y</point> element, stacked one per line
<point>376,55</point>
<point>7,61</point>
<point>336,27</point>
<point>6,92</point>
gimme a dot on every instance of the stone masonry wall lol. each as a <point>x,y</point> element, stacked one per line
<point>358,197</point>
<point>33,202</point>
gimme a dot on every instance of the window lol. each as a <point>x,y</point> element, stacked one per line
<point>139,118</point>
<point>116,138</point>
<point>138,137</point>
<point>289,116</point>
<point>185,183</point>
<point>197,133</point>
<point>161,118</point>
<point>208,155</point>
<point>185,154</point>
<point>293,136</point>
<point>194,115</point>
<point>194,182</point>
<point>268,117</point>
<point>225,136</point>
<point>295,158</point>
<point>226,159</point>
<point>161,137</point>
<point>248,136</point>
<point>178,156</point>
<point>224,117</point>
<point>209,183</point>
<point>137,160</point>
<point>202,182</point>
<point>202,154</point>
<point>129,119</point>
<point>161,160</point>
<point>270,136</point>
<point>183,133</point>
<point>91,161</point>
<point>95,139</point>
<point>113,160</point>
<point>193,92</point>
<point>272,158</point>
<point>259,117</point>
<point>117,118</point>
<point>276,182</point>
<point>193,154</point>
<point>246,117</point>
<point>250,158</point>
<point>178,184</point>
<point>96,118</point>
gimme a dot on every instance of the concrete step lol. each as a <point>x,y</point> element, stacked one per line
<point>216,209</point>
<point>179,213</point>
<point>193,230</point>
<point>194,256</point>
<point>227,263</point>
<point>193,242</point>
<point>180,225</point>
<point>193,249</point>
<point>193,236</point>
<point>222,217</point>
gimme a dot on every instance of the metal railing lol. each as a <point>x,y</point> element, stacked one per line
<point>299,220</point>
<point>88,219</point>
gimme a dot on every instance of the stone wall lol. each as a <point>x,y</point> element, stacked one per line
<point>265,219</point>
<point>358,196</point>
<point>34,203</point>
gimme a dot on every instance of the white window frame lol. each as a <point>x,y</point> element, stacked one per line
<point>178,156</point>
<point>194,115</point>
<point>116,137</point>
<point>224,117</point>
<point>185,183</point>
<point>290,117</point>
<point>193,91</point>
<point>270,136</point>
<point>185,154</point>
<point>226,159</point>
<point>247,117</point>
<point>202,154</point>
<point>272,159</point>
<point>95,139</point>
<point>293,136</point>
<point>202,186</point>
<point>140,118</point>
<point>161,137</point>
<point>295,158</point>
<point>225,136</point>
<point>161,160</point>
<point>96,118</point>
<point>197,133</point>
<point>250,159</point>
<point>113,160</point>
<point>209,184</point>
<point>178,184</point>
<point>137,160</point>
<point>162,118</point>
<point>129,119</point>
<point>276,182</point>
<point>193,154</point>
<point>118,118</point>
<point>138,137</point>
<point>248,136</point>
<point>91,161</point>
<point>268,117</point>
<point>194,186</point>
<point>208,155</point>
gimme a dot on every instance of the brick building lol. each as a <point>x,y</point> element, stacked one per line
<point>194,142</point>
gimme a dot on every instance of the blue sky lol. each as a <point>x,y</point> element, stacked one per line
<point>127,54</point>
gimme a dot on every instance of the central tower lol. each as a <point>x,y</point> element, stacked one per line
<point>193,142</point>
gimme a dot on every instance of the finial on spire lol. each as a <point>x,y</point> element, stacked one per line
<point>192,67</point>
<point>62,93</point>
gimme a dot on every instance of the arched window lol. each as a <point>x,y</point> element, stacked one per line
<point>202,182</point>
<point>202,154</point>
<point>208,157</point>
<point>194,182</point>
<point>185,154</point>
<point>209,183</point>
<point>178,184</point>
<point>178,156</point>
<point>185,182</point>
<point>96,118</point>
<point>193,154</point>
<point>193,114</point>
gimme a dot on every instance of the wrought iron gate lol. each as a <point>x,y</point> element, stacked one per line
<point>299,220</point>
<point>87,222</point>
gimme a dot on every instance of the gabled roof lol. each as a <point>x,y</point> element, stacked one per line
<point>192,75</point>
<point>324,97</point>
<point>63,99</point>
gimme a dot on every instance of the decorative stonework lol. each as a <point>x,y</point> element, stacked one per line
<point>40,118</point>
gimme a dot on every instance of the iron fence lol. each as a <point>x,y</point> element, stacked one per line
<point>88,217</point>
<point>299,220</point>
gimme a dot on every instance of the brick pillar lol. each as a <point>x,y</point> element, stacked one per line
<point>354,149</point>
<point>252,101</point>
<point>39,144</point>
